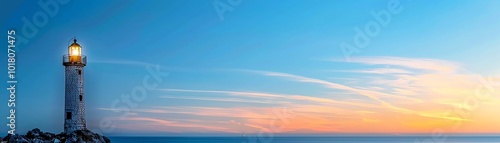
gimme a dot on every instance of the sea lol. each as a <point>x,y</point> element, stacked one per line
<point>353,139</point>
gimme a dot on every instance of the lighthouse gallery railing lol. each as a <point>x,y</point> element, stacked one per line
<point>66,59</point>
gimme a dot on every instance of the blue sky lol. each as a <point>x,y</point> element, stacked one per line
<point>227,75</point>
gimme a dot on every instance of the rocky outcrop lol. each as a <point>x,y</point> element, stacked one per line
<point>37,136</point>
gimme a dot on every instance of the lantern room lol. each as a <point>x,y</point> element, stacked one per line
<point>75,49</point>
<point>74,55</point>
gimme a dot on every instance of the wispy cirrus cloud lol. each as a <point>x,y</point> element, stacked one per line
<point>224,99</point>
<point>412,63</point>
<point>121,62</point>
<point>400,94</point>
<point>171,126</point>
<point>409,86</point>
<point>377,71</point>
<point>274,96</point>
<point>374,95</point>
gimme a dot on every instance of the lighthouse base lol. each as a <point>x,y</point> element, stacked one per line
<point>36,135</point>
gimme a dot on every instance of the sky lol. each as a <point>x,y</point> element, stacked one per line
<point>216,67</point>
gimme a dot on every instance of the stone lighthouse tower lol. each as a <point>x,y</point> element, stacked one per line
<point>74,107</point>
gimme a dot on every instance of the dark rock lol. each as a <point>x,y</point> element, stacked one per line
<point>37,136</point>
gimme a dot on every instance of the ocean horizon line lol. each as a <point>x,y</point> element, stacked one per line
<point>320,135</point>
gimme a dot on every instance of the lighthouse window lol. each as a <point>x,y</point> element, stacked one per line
<point>68,115</point>
<point>79,72</point>
<point>81,97</point>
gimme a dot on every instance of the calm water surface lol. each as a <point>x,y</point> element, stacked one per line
<point>413,139</point>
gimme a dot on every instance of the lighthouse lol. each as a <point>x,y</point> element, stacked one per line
<point>74,105</point>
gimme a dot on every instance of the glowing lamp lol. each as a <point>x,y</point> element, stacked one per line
<point>74,55</point>
<point>75,49</point>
